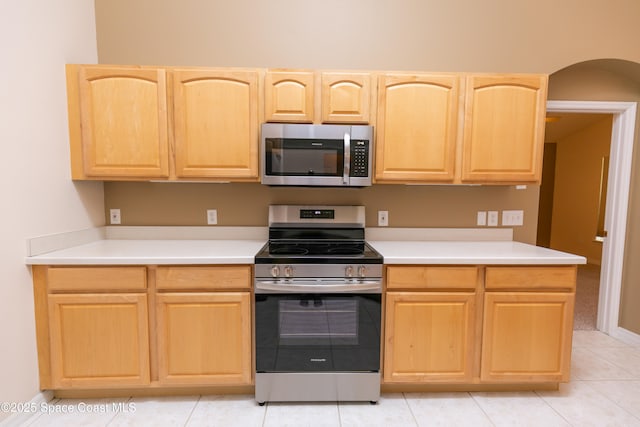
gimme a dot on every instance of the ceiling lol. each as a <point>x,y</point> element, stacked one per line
<point>560,125</point>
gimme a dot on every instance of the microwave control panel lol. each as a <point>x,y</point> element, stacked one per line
<point>359,158</point>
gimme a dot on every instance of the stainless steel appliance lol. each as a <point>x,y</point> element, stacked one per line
<point>316,155</point>
<point>318,289</point>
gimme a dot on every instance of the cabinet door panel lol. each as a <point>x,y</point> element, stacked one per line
<point>289,96</point>
<point>124,122</point>
<point>216,123</point>
<point>346,97</point>
<point>527,337</point>
<point>204,338</point>
<point>93,279</point>
<point>429,337</point>
<point>504,128</point>
<point>99,340</point>
<point>203,277</point>
<point>432,277</point>
<point>531,278</point>
<point>416,128</point>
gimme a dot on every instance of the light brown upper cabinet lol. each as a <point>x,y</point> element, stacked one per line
<point>118,122</point>
<point>318,97</point>
<point>429,130</point>
<point>504,128</point>
<point>216,120</point>
<point>346,97</point>
<point>143,123</point>
<point>288,96</point>
<point>416,127</point>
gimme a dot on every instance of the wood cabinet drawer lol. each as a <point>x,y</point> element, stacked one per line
<point>203,277</point>
<point>531,278</point>
<point>96,278</point>
<point>430,277</point>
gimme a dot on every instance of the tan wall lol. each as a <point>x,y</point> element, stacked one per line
<point>463,35</point>
<point>38,196</point>
<point>609,80</point>
<point>577,190</point>
<point>247,204</point>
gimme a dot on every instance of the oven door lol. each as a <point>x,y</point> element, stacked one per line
<point>317,332</point>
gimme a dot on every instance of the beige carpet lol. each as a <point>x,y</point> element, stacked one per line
<point>586,307</point>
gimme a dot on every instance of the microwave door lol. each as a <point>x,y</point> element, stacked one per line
<point>296,161</point>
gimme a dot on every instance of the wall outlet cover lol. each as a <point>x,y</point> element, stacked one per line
<point>114,216</point>
<point>492,219</point>
<point>482,218</point>
<point>383,218</point>
<point>212,216</point>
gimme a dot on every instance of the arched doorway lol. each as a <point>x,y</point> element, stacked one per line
<point>610,86</point>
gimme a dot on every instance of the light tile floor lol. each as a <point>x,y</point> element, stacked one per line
<point>604,391</point>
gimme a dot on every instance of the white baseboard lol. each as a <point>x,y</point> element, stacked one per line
<point>21,418</point>
<point>626,336</point>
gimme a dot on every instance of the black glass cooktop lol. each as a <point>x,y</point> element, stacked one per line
<point>316,252</point>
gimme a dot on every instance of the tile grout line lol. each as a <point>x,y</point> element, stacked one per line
<point>193,410</point>
<point>264,416</point>
<point>415,420</point>
<point>481,408</point>
<point>552,408</point>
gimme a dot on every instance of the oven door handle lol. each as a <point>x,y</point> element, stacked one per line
<point>369,287</point>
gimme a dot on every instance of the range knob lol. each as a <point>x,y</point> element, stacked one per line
<point>361,271</point>
<point>348,272</point>
<point>288,271</point>
<point>275,271</point>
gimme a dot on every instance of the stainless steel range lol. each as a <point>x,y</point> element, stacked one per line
<point>318,289</point>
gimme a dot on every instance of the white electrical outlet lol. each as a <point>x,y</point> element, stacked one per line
<point>512,217</point>
<point>114,216</point>
<point>492,219</point>
<point>383,218</point>
<point>482,218</point>
<point>212,216</point>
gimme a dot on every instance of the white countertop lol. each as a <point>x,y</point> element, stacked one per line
<point>153,252</point>
<point>128,252</point>
<point>470,252</point>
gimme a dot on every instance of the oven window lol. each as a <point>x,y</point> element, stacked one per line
<point>303,157</point>
<point>312,320</point>
<point>317,332</point>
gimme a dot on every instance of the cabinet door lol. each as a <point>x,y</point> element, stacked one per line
<point>288,96</point>
<point>429,336</point>
<point>204,338</point>
<point>504,128</point>
<point>346,97</point>
<point>99,340</point>
<point>216,124</point>
<point>527,337</point>
<point>123,117</point>
<point>416,128</point>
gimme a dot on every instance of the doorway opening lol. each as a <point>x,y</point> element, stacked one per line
<point>615,203</point>
<point>572,194</point>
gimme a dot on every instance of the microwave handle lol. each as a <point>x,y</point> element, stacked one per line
<point>347,158</point>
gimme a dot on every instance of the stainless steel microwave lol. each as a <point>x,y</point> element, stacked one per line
<point>316,155</point>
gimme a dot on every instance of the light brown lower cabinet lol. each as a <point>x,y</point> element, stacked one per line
<point>204,338</point>
<point>527,336</point>
<point>514,328</point>
<point>429,337</point>
<point>99,340</point>
<point>120,327</point>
